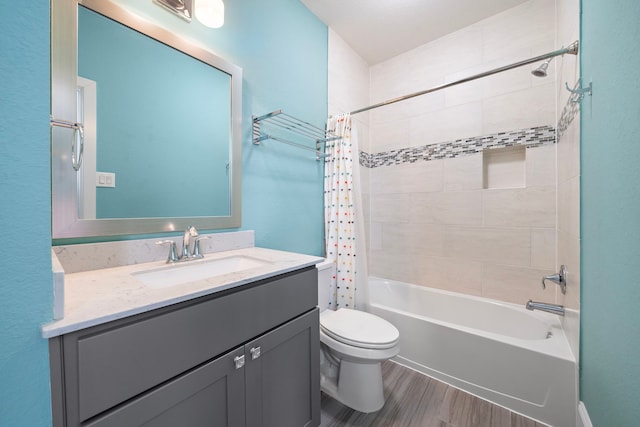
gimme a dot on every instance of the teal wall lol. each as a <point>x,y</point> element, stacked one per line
<point>25,238</point>
<point>146,137</point>
<point>282,49</point>
<point>610,213</point>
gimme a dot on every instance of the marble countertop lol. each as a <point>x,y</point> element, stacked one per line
<point>99,296</point>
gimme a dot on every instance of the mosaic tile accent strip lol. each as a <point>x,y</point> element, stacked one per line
<point>569,112</point>
<point>530,138</point>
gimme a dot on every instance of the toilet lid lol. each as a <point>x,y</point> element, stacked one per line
<point>358,328</point>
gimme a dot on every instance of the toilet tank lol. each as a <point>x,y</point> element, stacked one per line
<point>326,270</point>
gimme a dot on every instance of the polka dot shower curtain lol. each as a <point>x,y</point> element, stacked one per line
<point>342,205</point>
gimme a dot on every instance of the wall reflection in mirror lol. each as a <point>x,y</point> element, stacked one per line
<point>162,119</point>
<point>168,150</point>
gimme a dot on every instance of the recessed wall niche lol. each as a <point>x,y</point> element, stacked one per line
<point>504,167</point>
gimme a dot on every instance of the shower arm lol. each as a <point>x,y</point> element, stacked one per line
<point>571,49</point>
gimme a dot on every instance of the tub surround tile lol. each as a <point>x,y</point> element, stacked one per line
<point>375,231</point>
<point>408,178</point>
<point>96,256</point>
<point>408,240</point>
<point>387,136</point>
<point>570,110</point>
<point>391,265</point>
<point>457,122</point>
<point>569,152</point>
<point>449,274</point>
<point>346,70</point>
<point>516,284</point>
<point>425,156</point>
<point>525,207</point>
<point>472,91</point>
<point>519,110</point>
<point>436,58</point>
<point>452,208</point>
<point>569,255</point>
<point>569,207</point>
<point>568,29</point>
<point>543,248</point>
<point>529,137</point>
<point>463,173</point>
<point>540,165</point>
<point>504,168</point>
<point>393,208</point>
<point>510,246</point>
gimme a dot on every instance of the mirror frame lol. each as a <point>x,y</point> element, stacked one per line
<point>64,67</point>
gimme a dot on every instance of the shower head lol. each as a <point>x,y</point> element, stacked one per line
<point>541,71</point>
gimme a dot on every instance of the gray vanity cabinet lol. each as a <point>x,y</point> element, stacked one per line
<point>243,357</point>
<point>211,395</point>
<point>282,375</point>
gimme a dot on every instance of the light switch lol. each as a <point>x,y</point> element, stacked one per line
<point>105,179</point>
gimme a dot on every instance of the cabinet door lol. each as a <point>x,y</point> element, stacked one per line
<point>283,375</point>
<point>211,395</point>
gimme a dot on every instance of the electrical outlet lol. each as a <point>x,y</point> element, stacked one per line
<point>105,179</point>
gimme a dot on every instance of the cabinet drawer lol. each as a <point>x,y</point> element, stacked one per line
<point>112,363</point>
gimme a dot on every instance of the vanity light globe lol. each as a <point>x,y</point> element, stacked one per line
<point>210,12</point>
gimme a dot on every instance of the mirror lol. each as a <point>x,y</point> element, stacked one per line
<point>162,127</point>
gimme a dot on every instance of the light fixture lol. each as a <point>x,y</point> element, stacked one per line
<point>210,13</point>
<point>182,8</point>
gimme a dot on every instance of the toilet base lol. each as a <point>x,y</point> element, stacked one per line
<point>357,385</point>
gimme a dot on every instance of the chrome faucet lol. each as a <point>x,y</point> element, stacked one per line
<point>187,252</point>
<point>543,306</point>
<point>186,241</point>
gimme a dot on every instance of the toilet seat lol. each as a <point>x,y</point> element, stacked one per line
<point>359,329</point>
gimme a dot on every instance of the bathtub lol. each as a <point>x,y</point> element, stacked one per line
<point>498,351</point>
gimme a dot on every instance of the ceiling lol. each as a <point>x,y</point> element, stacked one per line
<point>381,29</point>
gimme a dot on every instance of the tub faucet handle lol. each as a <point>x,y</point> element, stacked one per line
<point>559,278</point>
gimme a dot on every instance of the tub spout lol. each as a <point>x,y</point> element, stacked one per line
<point>543,306</point>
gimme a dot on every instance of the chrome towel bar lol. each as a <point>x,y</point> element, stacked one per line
<point>78,130</point>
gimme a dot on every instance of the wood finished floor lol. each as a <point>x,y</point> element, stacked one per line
<point>415,400</point>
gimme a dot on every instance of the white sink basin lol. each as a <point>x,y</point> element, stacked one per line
<point>192,271</point>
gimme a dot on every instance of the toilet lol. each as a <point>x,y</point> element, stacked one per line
<point>352,346</point>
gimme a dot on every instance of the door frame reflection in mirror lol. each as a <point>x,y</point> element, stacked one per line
<point>66,222</point>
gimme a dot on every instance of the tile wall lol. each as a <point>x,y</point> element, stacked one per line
<point>568,173</point>
<point>433,222</point>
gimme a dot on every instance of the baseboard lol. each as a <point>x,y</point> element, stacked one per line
<point>583,416</point>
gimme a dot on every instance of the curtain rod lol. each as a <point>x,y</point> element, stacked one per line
<point>572,49</point>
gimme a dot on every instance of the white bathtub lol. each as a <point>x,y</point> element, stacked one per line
<point>498,351</point>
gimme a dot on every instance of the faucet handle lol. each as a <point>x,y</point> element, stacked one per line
<point>196,246</point>
<point>558,278</point>
<point>173,252</point>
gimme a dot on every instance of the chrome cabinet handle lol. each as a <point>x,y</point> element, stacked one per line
<point>255,353</point>
<point>239,360</point>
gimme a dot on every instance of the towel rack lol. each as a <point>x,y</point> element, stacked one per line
<point>78,130</point>
<point>291,126</point>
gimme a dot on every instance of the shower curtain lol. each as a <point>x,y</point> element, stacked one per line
<point>344,225</point>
